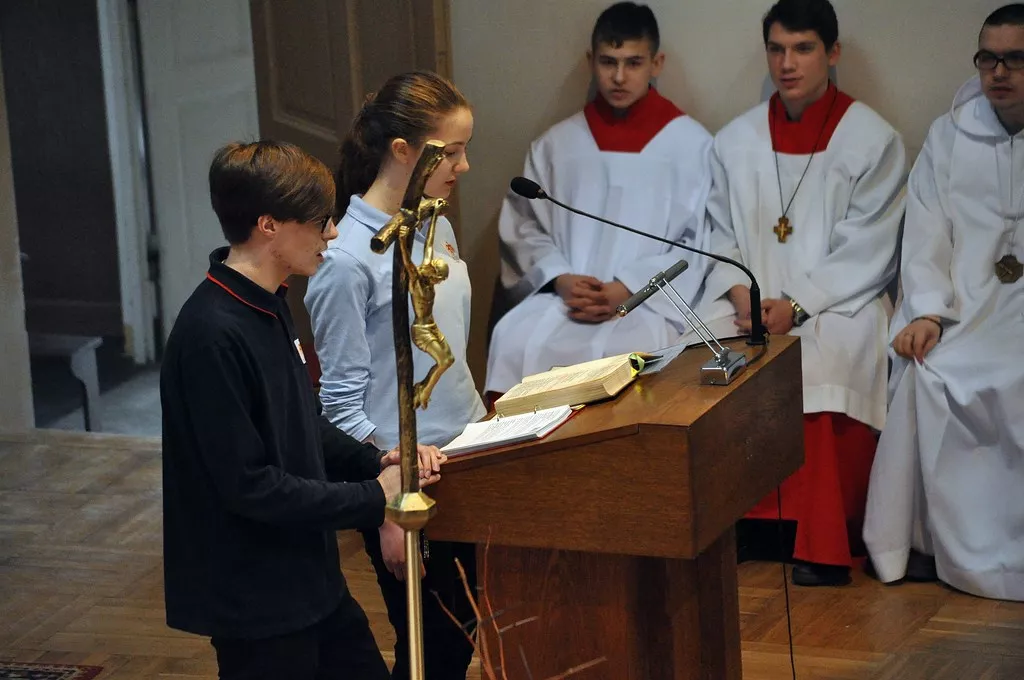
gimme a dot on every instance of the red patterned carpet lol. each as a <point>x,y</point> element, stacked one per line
<point>10,670</point>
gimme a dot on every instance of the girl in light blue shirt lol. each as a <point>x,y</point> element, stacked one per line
<point>349,302</point>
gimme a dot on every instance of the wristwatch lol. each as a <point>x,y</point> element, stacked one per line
<point>799,315</point>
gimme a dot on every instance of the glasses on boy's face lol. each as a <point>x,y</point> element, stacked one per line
<point>989,61</point>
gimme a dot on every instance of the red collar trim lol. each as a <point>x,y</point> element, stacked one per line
<point>237,296</point>
<point>813,132</point>
<point>631,133</point>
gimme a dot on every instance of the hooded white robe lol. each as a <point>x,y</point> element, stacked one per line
<point>948,476</point>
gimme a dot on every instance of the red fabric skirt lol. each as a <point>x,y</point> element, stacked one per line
<point>829,491</point>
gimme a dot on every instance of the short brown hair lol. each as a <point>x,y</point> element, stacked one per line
<point>249,180</point>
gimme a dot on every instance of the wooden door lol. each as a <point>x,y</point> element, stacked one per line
<point>61,166</point>
<point>316,60</point>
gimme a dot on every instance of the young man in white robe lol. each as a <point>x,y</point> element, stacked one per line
<point>808,193</point>
<point>948,478</point>
<point>630,156</point>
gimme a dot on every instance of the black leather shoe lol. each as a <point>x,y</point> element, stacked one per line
<point>921,568</point>
<point>812,575</point>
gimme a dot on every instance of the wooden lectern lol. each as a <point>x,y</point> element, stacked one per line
<point>617,530</point>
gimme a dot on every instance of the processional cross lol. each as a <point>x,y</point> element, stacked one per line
<point>413,509</point>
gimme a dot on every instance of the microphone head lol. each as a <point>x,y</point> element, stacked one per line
<point>526,188</point>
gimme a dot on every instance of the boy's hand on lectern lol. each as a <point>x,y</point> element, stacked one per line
<point>390,480</point>
<point>430,460</point>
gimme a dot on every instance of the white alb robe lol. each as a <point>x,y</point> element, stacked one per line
<point>662,191</point>
<point>948,476</point>
<point>838,259</point>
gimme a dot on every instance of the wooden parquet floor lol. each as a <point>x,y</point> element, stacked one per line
<point>80,582</point>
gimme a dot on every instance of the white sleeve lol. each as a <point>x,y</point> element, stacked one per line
<point>689,227</point>
<point>336,298</point>
<point>524,227</point>
<point>862,247</point>
<point>928,240</point>
<point>722,236</point>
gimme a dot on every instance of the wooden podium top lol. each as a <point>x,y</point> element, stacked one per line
<point>662,469</point>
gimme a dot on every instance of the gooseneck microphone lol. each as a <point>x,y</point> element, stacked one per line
<point>527,188</point>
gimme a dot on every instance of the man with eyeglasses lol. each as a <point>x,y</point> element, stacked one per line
<point>946,497</point>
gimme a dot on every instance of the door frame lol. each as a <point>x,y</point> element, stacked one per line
<point>129,168</point>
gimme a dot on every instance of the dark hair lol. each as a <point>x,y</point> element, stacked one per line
<point>804,15</point>
<point>625,21</point>
<point>249,180</point>
<point>407,107</point>
<point>1007,15</point>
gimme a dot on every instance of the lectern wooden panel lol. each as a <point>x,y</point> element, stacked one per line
<point>616,531</point>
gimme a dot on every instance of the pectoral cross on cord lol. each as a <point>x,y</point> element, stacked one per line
<point>783,228</point>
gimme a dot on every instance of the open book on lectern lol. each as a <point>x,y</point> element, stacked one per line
<point>574,385</point>
<point>540,403</point>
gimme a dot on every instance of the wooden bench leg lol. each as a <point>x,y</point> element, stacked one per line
<point>83,367</point>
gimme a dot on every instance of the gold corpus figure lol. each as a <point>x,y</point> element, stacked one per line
<point>422,280</point>
<point>413,508</point>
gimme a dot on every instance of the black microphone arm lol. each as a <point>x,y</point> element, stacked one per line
<point>527,188</point>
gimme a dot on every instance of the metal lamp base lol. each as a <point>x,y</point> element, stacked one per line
<point>723,368</point>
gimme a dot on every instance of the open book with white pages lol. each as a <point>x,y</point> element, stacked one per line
<point>506,430</point>
<point>531,410</point>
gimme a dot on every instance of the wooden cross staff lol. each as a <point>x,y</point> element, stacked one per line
<point>413,509</point>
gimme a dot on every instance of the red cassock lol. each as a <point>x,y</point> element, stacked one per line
<point>826,496</point>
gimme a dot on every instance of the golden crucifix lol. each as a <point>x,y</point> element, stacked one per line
<point>413,509</point>
<point>783,229</point>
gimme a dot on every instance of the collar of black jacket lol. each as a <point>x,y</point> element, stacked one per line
<point>242,288</point>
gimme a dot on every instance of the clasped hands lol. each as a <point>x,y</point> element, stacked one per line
<point>392,536</point>
<point>588,299</point>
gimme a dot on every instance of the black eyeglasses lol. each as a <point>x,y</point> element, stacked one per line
<point>989,61</point>
<point>323,222</point>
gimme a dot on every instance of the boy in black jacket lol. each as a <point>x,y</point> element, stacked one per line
<point>255,480</point>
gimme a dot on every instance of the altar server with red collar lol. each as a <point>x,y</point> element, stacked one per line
<point>631,156</point>
<point>809,193</point>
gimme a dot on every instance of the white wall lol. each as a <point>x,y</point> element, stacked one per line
<point>522,65</point>
<point>15,376</point>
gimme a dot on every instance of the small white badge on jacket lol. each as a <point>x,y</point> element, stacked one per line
<point>298,348</point>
